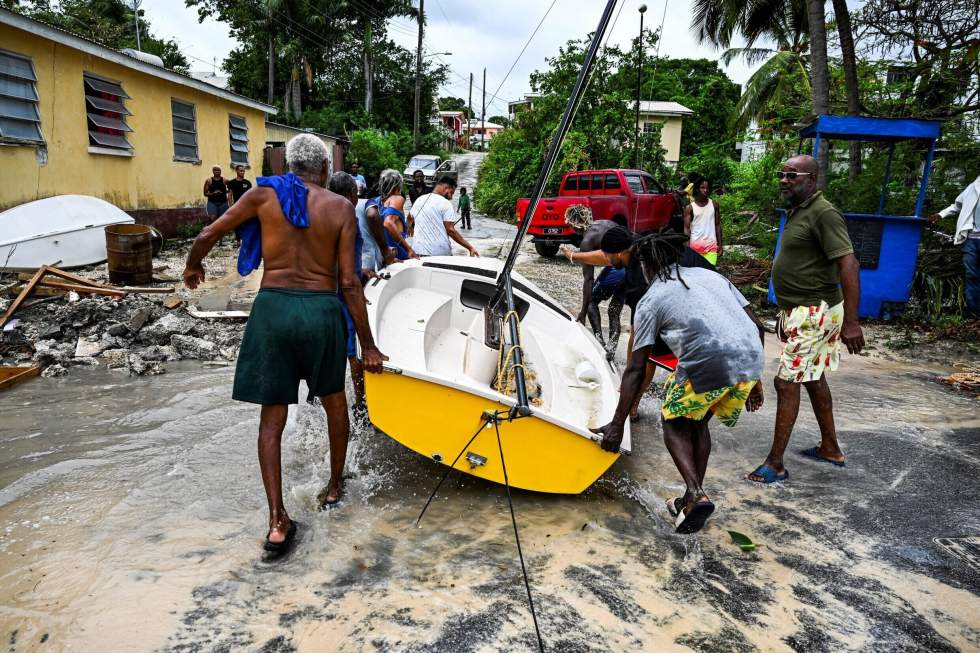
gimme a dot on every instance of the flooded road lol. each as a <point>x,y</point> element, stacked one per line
<point>132,513</point>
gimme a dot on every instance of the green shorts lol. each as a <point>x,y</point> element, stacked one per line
<point>291,335</point>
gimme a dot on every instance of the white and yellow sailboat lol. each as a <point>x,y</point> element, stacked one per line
<point>460,332</point>
<point>441,378</point>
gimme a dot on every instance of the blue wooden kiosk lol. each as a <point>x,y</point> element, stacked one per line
<point>886,245</point>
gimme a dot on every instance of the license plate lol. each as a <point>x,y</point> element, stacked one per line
<point>553,230</point>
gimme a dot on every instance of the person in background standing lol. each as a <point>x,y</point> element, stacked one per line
<point>417,189</point>
<point>966,208</point>
<point>464,207</point>
<point>236,188</point>
<point>815,278</point>
<point>702,223</point>
<point>435,222</point>
<point>216,190</point>
<point>238,185</point>
<point>358,178</point>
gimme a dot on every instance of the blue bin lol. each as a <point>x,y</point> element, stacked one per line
<point>888,247</point>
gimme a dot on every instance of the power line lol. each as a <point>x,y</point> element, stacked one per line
<point>521,53</point>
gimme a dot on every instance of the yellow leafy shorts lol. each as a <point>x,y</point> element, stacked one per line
<point>680,400</point>
<point>812,337</point>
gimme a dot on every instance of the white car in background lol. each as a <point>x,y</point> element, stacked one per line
<point>432,167</point>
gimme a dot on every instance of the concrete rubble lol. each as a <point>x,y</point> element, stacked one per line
<point>137,334</point>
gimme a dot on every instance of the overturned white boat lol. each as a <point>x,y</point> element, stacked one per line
<point>65,230</point>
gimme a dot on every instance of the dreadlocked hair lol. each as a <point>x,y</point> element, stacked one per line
<point>660,253</point>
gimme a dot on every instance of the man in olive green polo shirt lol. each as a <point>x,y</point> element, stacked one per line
<point>815,278</point>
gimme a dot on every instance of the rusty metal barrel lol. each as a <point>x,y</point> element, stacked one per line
<point>129,249</point>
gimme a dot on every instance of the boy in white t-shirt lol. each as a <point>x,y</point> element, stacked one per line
<point>435,222</point>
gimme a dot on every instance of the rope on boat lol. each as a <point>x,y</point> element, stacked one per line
<point>487,418</point>
<point>517,537</point>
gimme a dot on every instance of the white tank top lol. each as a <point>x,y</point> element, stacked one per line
<point>703,223</point>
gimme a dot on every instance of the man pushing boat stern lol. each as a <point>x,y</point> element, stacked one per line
<point>717,339</point>
<point>296,328</point>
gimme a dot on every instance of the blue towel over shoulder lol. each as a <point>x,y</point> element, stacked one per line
<point>291,192</point>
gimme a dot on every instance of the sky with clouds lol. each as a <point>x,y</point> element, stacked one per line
<point>478,34</point>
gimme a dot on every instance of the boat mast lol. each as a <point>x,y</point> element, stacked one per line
<point>504,290</point>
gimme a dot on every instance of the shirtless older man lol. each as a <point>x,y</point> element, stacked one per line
<point>296,327</point>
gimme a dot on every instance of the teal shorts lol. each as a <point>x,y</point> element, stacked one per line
<point>291,335</point>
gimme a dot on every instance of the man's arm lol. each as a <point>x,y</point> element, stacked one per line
<point>851,334</point>
<point>688,216</point>
<point>245,208</point>
<point>612,433</point>
<point>372,359</point>
<point>952,209</point>
<point>718,236</point>
<point>377,230</point>
<point>206,183</point>
<point>456,236</point>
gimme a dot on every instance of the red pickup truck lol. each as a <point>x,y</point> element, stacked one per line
<point>632,195</point>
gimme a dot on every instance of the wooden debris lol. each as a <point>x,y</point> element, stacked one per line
<point>968,379</point>
<point>221,315</point>
<point>91,290</point>
<point>173,302</point>
<point>11,376</point>
<point>140,290</point>
<point>24,294</point>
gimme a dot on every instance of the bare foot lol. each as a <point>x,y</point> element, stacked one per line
<point>756,397</point>
<point>278,530</point>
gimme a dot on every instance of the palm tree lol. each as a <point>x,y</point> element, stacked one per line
<point>819,80</point>
<point>786,67</point>
<point>849,59</point>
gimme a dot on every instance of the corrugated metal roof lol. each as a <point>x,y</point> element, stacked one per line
<point>86,44</point>
<point>658,107</point>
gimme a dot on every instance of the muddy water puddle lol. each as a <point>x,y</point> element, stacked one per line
<point>131,515</point>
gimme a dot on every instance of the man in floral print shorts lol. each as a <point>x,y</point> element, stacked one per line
<point>815,278</point>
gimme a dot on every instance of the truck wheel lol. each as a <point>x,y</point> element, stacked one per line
<point>548,250</point>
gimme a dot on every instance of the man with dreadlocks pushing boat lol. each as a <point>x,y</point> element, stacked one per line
<point>717,339</point>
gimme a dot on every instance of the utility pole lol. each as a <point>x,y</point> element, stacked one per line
<point>483,115</point>
<point>639,78</point>
<point>418,76</point>
<point>469,116</point>
<point>136,21</point>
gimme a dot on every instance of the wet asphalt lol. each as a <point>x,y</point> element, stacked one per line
<point>131,514</point>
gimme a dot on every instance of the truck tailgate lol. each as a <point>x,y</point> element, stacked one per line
<point>549,217</point>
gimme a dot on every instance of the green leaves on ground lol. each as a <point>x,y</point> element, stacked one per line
<point>743,541</point>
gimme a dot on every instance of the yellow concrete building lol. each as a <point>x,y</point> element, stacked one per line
<point>671,116</point>
<point>77,117</point>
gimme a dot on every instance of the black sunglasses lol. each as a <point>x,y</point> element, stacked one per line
<point>791,175</point>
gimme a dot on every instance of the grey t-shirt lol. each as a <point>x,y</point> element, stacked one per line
<point>706,327</point>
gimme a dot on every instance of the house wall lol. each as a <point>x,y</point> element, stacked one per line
<point>276,133</point>
<point>670,135</point>
<point>146,183</point>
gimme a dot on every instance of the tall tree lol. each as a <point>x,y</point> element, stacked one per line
<point>109,22</point>
<point>842,17</point>
<point>819,76</point>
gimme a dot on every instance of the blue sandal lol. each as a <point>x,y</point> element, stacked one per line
<point>768,475</point>
<point>812,453</point>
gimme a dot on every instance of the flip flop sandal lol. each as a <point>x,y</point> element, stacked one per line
<point>675,506</point>
<point>812,452</point>
<point>276,549</point>
<point>324,503</point>
<point>693,520</point>
<point>768,474</point>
